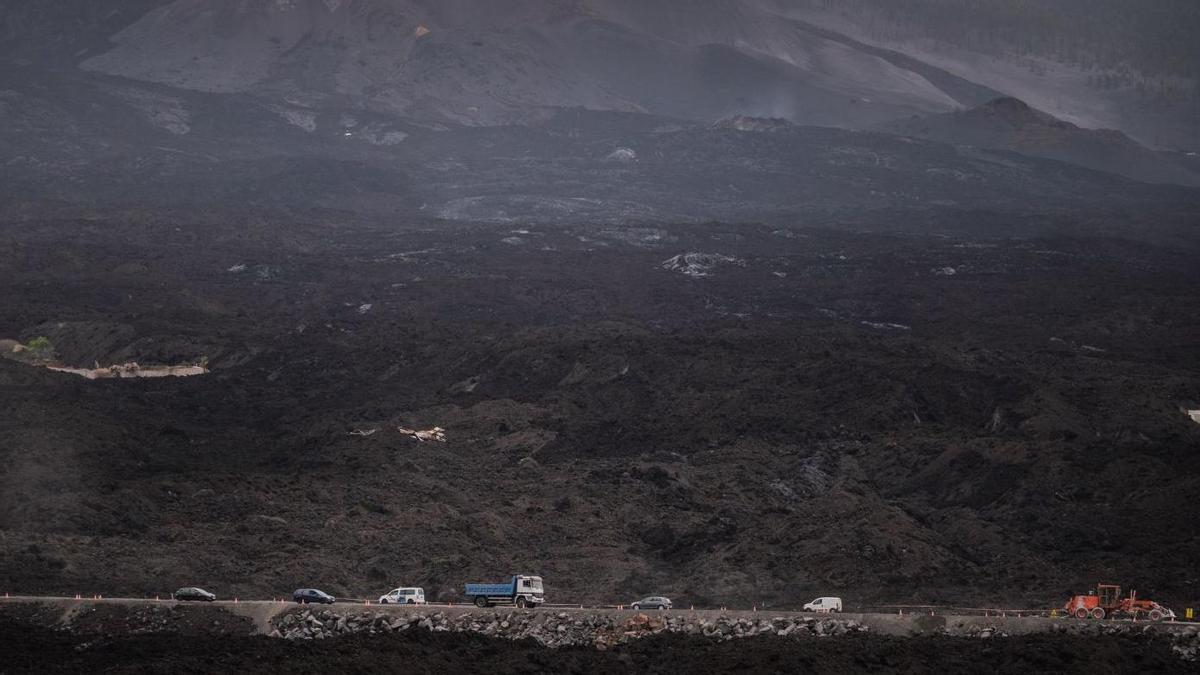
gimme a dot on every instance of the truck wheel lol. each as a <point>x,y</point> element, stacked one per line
<point>481,602</point>
<point>1098,613</point>
<point>521,603</point>
<point>1081,613</point>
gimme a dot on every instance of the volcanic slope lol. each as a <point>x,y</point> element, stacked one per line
<point>495,62</point>
<point>719,414</point>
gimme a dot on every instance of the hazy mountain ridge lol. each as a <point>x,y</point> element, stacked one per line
<point>1010,124</point>
<point>501,61</point>
<point>104,140</point>
<point>504,61</point>
<point>1099,64</point>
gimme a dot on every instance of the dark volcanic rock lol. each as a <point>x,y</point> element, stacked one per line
<point>818,419</point>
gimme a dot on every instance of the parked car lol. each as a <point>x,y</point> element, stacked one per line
<point>306,595</point>
<point>652,602</point>
<point>191,593</point>
<point>824,605</point>
<point>403,596</point>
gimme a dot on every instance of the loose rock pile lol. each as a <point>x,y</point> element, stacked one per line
<point>1187,644</point>
<point>1185,641</point>
<point>556,629</point>
<point>983,632</point>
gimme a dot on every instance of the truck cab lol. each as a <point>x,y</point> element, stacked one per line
<point>824,605</point>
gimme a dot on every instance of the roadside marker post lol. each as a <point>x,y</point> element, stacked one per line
<point>1189,614</point>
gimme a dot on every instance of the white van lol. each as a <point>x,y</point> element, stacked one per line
<point>403,596</point>
<point>824,605</point>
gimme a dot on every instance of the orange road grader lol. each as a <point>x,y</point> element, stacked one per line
<point>1106,602</point>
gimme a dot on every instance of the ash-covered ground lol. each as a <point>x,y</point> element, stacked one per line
<point>724,414</point>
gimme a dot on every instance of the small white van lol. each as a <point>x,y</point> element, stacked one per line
<point>403,596</point>
<point>824,605</point>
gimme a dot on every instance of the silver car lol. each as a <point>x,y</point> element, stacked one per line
<point>652,602</point>
<point>191,593</point>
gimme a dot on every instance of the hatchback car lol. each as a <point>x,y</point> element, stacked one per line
<point>652,602</point>
<point>306,595</point>
<point>191,593</point>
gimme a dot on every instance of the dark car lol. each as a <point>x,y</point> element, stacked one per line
<point>307,595</point>
<point>653,602</point>
<point>193,594</point>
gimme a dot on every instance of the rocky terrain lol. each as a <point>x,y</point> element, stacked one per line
<point>165,638</point>
<point>891,417</point>
<point>558,630</point>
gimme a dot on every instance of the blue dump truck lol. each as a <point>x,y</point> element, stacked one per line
<point>522,591</point>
